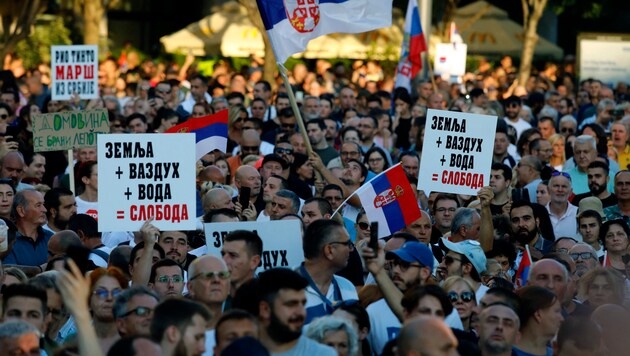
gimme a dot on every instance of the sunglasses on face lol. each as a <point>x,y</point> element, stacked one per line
<point>404,265</point>
<point>250,148</point>
<point>567,129</point>
<point>280,151</point>
<point>139,311</point>
<point>450,259</point>
<point>465,296</point>
<point>363,225</point>
<point>4,116</point>
<point>104,293</point>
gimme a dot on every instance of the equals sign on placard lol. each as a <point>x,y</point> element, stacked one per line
<point>434,177</point>
<point>120,214</point>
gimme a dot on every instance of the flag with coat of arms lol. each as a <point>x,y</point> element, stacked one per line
<point>389,200</point>
<point>412,47</point>
<point>291,24</point>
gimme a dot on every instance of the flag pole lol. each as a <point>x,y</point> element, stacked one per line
<point>429,66</point>
<point>294,106</point>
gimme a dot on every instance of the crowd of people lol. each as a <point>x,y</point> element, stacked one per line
<point>452,282</point>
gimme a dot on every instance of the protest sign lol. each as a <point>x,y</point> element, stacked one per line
<point>142,176</point>
<point>282,241</point>
<point>450,59</point>
<point>74,69</point>
<point>457,152</point>
<point>67,130</point>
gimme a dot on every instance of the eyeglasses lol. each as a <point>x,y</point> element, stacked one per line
<point>104,293</point>
<point>164,91</point>
<point>250,148</point>
<point>139,311</point>
<point>443,210</point>
<point>564,174</point>
<point>567,129</point>
<point>375,160</point>
<point>56,313</point>
<point>450,259</point>
<point>465,296</point>
<point>404,265</point>
<point>288,126</point>
<point>280,150</point>
<point>348,243</point>
<point>4,116</point>
<point>363,225</point>
<point>582,255</point>
<point>166,279</point>
<point>210,275</point>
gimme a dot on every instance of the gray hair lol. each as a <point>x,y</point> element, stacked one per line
<point>585,139</point>
<point>120,304</point>
<point>588,247</point>
<point>551,93</point>
<point>463,217</point>
<point>295,200</point>
<point>568,118</point>
<point>604,104</point>
<point>318,329</point>
<point>548,111</point>
<point>20,200</point>
<point>219,99</point>
<point>16,328</point>
<point>46,280</point>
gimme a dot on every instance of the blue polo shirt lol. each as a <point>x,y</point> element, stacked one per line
<point>27,252</point>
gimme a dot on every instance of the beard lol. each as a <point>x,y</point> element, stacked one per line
<point>281,332</point>
<point>597,189</point>
<point>496,347</point>
<point>60,223</point>
<point>524,236</point>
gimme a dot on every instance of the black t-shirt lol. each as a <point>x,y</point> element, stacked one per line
<point>608,201</point>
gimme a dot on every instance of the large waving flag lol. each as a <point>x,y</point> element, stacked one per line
<point>291,24</point>
<point>523,268</point>
<point>412,47</point>
<point>211,132</point>
<point>389,199</point>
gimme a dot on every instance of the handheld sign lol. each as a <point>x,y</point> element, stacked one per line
<point>67,130</point>
<point>282,241</point>
<point>142,176</point>
<point>74,70</point>
<point>457,152</point>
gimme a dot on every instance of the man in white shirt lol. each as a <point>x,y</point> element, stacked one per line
<point>561,212</point>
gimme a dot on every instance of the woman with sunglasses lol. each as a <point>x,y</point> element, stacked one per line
<point>362,226</point>
<point>462,295</point>
<point>105,286</point>
<point>558,156</point>
<point>541,316</point>
<point>615,235</point>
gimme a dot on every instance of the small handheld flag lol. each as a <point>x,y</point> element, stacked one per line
<point>211,132</point>
<point>523,268</point>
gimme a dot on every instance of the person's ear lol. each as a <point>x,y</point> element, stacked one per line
<point>264,310</point>
<point>254,262</point>
<point>172,334</point>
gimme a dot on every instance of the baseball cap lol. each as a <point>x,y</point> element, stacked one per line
<point>246,345</point>
<point>272,157</point>
<point>471,249</point>
<point>414,252</point>
<point>591,203</point>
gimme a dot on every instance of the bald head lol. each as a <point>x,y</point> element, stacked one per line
<point>550,274</point>
<point>212,174</point>
<point>59,242</point>
<point>217,198</point>
<point>426,336</point>
<point>13,167</point>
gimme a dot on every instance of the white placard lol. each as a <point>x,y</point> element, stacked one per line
<point>457,152</point>
<point>74,69</point>
<point>450,59</point>
<point>282,241</point>
<point>606,58</point>
<point>143,176</point>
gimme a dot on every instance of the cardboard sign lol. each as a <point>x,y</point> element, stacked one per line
<point>67,130</point>
<point>450,59</point>
<point>74,70</point>
<point>457,152</point>
<point>282,241</point>
<point>144,176</point>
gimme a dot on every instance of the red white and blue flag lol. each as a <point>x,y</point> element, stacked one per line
<point>211,132</point>
<point>606,261</point>
<point>389,200</point>
<point>412,47</point>
<point>291,24</point>
<point>523,268</point>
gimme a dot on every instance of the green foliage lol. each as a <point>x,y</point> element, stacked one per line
<point>36,48</point>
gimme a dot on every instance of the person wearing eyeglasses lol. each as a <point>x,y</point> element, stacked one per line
<point>209,284</point>
<point>327,248</point>
<point>133,311</point>
<point>462,295</point>
<point>585,258</point>
<point>444,208</point>
<point>167,279</point>
<point>464,259</point>
<point>105,286</point>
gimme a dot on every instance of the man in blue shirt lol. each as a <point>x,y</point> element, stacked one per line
<point>31,242</point>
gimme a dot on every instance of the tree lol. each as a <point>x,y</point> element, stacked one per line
<point>270,60</point>
<point>532,11</point>
<point>18,18</point>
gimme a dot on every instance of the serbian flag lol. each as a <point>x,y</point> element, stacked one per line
<point>291,24</point>
<point>389,200</point>
<point>412,47</point>
<point>211,132</point>
<point>606,261</point>
<point>523,268</point>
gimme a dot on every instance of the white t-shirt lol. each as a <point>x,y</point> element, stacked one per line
<point>520,125</point>
<point>87,207</point>
<point>315,305</point>
<point>98,260</point>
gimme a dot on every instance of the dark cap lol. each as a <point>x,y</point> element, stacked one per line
<point>272,157</point>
